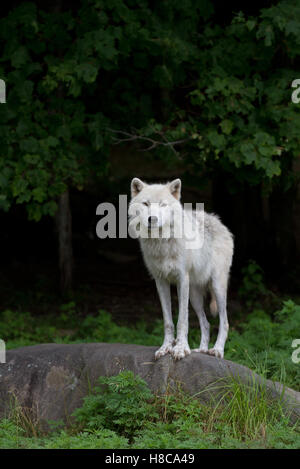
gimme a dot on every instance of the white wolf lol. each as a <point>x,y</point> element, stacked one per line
<point>195,269</point>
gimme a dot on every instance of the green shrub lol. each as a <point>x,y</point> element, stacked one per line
<point>122,403</point>
<point>265,344</point>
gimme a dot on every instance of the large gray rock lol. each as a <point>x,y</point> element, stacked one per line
<point>50,380</point>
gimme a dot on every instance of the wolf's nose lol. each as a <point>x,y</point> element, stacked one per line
<point>152,220</point>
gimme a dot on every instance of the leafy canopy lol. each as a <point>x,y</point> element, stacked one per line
<point>166,69</point>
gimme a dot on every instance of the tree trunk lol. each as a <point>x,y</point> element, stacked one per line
<point>63,216</point>
<point>63,221</point>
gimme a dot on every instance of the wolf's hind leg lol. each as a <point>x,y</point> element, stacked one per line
<point>196,299</point>
<point>163,288</point>
<point>219,286</point>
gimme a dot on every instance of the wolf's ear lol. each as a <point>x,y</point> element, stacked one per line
<point>136,186</point>
<point>175,188</point>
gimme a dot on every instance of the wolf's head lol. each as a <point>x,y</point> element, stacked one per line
<point>155,205</point>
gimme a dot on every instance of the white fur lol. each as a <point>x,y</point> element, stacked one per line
<point>194,270</point>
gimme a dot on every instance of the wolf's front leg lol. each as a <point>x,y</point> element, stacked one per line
<point>181,349</point>
<point>163,288</point>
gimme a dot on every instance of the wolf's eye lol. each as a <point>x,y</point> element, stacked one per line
<point>146,203</point>
<point>163,204</point>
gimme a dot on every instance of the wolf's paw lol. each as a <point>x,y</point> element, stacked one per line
<point>180,350</point>
<point>163,350</point>
<point>200,350</point>
<point>216,352</point>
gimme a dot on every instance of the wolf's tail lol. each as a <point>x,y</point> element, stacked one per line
<point>213,305</point>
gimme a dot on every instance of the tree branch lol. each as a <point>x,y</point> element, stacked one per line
<point>122,137</point>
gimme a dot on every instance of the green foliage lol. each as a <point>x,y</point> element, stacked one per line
<point>20,329</point>
<point>69,81</point>
<point>253,288</point>
<point>123,405</point>
<point>10,434</point>
<point>247,409</point>
<point>13,436</point>
<point>50,139</point>
<point>99,439</point>
<point>138,64</point>
<point>68,314</point>
<point>264,343</point>
<point>244,418</point>
<point>240,118</point>
<point>104,329</point>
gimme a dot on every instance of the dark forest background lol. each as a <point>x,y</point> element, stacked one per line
<point>99,92</point>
